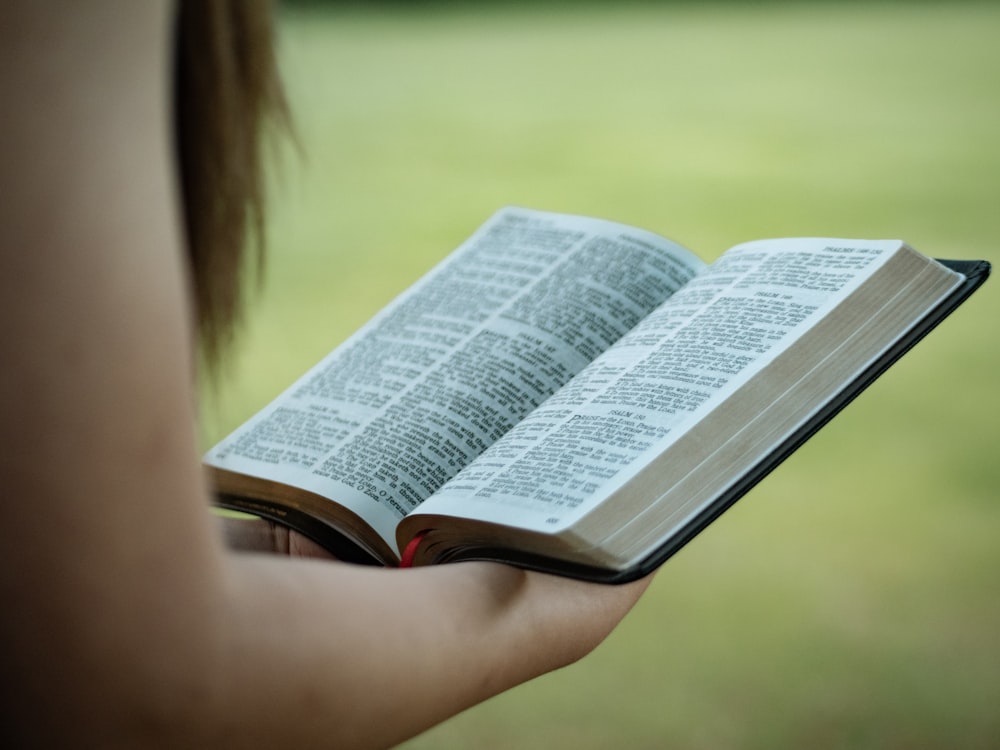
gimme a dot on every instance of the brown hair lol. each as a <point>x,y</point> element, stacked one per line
<point>226,93</point>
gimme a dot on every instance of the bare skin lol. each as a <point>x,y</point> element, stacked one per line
<point>258,535</point>
<point>127,622</point>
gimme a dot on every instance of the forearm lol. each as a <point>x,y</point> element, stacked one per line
<point>282,652</point>
<point>339,655</point>
<point>461,633</point>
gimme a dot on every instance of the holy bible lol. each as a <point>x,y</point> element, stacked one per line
<point>578,396</point>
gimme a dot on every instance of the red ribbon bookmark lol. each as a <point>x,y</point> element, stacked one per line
<point>406,560</point>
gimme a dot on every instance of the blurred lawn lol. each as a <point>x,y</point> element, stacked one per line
<point>853,599</point>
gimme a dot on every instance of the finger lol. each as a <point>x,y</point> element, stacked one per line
<point>253,535</point>
<point>303,546</point>
<point>261,535</point>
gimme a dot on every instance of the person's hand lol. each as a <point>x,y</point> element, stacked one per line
<point>260,535</point>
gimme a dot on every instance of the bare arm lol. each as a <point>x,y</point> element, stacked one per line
<point>126,621</point>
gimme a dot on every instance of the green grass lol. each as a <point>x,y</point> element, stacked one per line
<point>853,599</point>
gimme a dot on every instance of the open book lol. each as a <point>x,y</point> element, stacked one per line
<point>578,396</point>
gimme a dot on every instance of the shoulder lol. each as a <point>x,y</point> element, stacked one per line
<point>87,217</point>
<point>47,34</point>
<point>73,77</point>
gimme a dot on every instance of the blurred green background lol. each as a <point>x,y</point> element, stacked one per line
<point>853,599</point>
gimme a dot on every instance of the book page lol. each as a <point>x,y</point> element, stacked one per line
<point>457,360</point>
<point>634,400</point>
